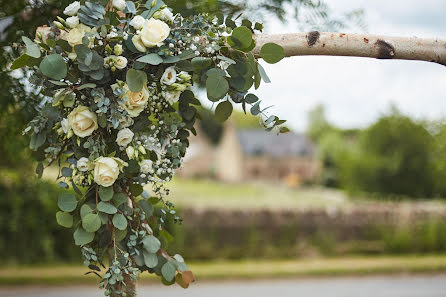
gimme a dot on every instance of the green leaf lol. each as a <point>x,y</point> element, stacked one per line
<point>151,10</point>
<point>151,243</point>
<point>86,86</point>
<point>263,74</point>
<point>67,202</point>
<point>91,222</point>
<point>136,189</point>
<point>201,63</point>
<point>146,207</point>
<point>119,221</point>
<point>106,193</point>
<point>82,237</point>
<point>107,208</point>
<point>216,72</point>
<point>150,259</point>
<point>85,210</point>
<point>53,66</point>
<point>217,87</point>
<point>168,271</point>
<point>120,234</point>
<point>152,59</point>
<point>119,198</point>
<point>20,62</point>
<point>223,111</point>
<point>136,79</point>
<point>64,219</point>
<point>241,38</point>
<point>32,49</point>
<point>272,53</point>
<point>251,98</point>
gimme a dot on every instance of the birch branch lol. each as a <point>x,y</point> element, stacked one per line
<point>357,45</point>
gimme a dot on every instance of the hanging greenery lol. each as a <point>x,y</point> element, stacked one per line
<point>117,115</point>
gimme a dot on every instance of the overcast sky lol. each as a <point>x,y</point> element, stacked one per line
<point>356,91</point>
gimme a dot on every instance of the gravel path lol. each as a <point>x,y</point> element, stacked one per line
<point>386,286</point>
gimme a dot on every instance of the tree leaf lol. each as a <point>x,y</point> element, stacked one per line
<point>53,66</point>
<point>64,219</point>
<point>150,259</point>
<point>91,222</point>
<point>152,59</point>
<point>136,79</point>
<point>272,53</point>
<point>263,74</point>
<point>20,62</point>
<point>105,193</point>
<point>217,87</point>
<point>119,221</point>
<point>82,237</point>
<point>32,49</point>
<point>151,244</point>
<point>119,198</point>
<point>223,111</point>
<point>107,208</point>
<point>67,202</point>
<point>168,271</point>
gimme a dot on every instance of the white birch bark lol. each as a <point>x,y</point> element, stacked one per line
<point>357,45</point>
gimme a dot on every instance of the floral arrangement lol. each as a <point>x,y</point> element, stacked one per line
<point>116,115</point>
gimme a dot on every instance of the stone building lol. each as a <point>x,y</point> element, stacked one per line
<point>253,155</point>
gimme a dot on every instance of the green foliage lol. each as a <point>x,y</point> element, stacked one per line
<point>136,79</point>
<point>54,67</point>
<point>67,202</point>
<point>272,53</point>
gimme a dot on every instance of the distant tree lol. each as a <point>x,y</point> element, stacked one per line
<point>395,157</point>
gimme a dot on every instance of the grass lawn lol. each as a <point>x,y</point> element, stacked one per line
<point>66,275</point>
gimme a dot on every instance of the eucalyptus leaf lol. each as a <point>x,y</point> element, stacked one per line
<point>82,237</point>
<point>107,208</point>
<point>106,193</point>
<point>217,87</point>
<point>168,271</point>
<point>151,244</point>
<point>64,219</point>
<point>150,259</point>
<point>223,111</point>
<point>136,79</point>
<point>272,53</point>
<point>119,221</point>
<point>67,202</point>
<point>32,49</point>
<point>152,59</point>
<point>53,66</point>
<point>91,222</point>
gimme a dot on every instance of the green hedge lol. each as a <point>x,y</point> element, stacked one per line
<point>30,234</point>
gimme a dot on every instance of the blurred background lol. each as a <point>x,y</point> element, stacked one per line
<point>357,188</point>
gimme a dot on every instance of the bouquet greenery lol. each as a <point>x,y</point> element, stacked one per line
<point>116,115</point>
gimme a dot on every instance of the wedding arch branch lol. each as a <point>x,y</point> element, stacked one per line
<point>357,45</point>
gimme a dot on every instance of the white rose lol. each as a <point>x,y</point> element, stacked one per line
<point>72,9</point>
<point>65,126</point>
<point>83,164</point>
<point>172,97</point>
<point>137,42</point>
<point>76,34</point>
<point>165,15</point>
<point>169,76</point>
<point>119,4</point>
<point>146,166</point>
<point>136,101</point>
<point>154,32</point>
<point>137,22</point>
<point>72,22</point>
<point>125,136</point>
<point>120,62</point>
<point>83,121</point>
<point>106,170</point>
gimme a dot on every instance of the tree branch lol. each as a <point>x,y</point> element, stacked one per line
<point>357,45</point>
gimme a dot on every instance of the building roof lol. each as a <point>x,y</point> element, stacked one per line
<point>260,142</point>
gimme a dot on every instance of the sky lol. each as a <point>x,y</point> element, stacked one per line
<point>357,91</point>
